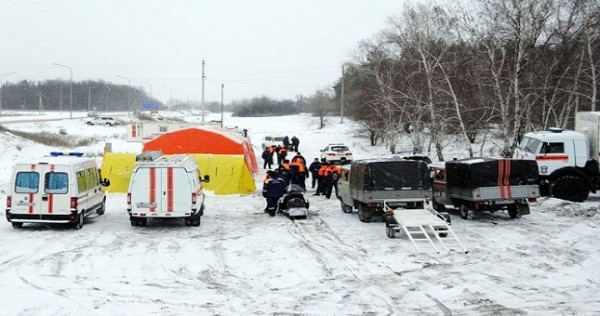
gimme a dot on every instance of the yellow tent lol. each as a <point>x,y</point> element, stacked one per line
<point>229,174</point>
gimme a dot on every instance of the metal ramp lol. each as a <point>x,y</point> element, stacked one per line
<point>426,229</point>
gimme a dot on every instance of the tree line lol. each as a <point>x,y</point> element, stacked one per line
<point>490,73</point>
<point>89,95</point>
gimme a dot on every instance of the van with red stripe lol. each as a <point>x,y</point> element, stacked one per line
<point>60,188</point>
<point>165,187</point>
<point>485,184</point>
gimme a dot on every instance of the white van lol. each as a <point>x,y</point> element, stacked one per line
<point>165,187</point>
<point>60,188</point>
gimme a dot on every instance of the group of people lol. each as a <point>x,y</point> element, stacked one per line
<point>324,176</point>
<point>280,152</point>
<point>289,172</point>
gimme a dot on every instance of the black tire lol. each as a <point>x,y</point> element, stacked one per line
<point>346,208</point>
<point>571,188</point>
<point>513,212</point>
<point>90,123</point>
<point>363,215</point>
<point>195,221</point>
<point>79,222</point>
<point>437,206</point>
<point>108,124</point>
<point>134,222</point>
<point>102,208</point>
<point>389,231</point>
<point>142,221</point>
<point>464,211</point>
<point>17,225</point>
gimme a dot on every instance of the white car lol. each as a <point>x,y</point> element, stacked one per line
<point>269,141</point>
<point>102,120</point>
<point>334,153</point>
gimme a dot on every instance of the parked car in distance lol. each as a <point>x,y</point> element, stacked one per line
<point>102,120</point>
<point>334,152</point>
<point>269,141</point>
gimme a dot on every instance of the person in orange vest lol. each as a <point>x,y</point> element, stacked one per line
<point>284,171</point>
<point>321,178</point>
<point>298,171</point>
<point>281,154</point>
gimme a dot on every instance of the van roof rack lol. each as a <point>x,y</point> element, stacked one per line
<point>149,155</point>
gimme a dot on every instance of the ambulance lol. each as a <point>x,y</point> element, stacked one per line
<point>59,188</point>
<point>165,187</point>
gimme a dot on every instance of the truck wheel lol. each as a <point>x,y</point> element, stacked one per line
<point>142,221</point>
<point>437,206</point>
<point>17,225</point>
<point>134,221</point>
<point>513,211</point>
<point>346,208</point>
<point>364,216</point>
<point>570,188</point>
<point>464,211</point>
<point>389,231</point>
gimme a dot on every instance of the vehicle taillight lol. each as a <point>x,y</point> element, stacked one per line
<point>194,197</point>
<point>73,202</point>
<point>9,201</point>
<point>128,199</point>
<point>330,154</point>
<point>425,196</point>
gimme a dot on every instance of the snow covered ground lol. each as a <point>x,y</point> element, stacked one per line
<point>241,261</point>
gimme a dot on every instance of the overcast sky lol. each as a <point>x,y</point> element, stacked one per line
<point>276,48</point>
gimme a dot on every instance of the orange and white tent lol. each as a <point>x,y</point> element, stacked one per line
<point>224,155</point>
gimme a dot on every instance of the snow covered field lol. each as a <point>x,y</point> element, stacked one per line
<point>241,261</point>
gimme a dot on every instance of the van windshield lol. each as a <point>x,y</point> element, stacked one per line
<point>27,182</point>
<point>56,182</point>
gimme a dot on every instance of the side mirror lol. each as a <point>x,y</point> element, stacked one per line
<point>206,178</point>
<point>105,182</point>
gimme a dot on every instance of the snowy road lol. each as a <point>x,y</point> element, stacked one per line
<point>241,261</point>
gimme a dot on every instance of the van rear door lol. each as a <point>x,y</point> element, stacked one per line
<point>161,191</point>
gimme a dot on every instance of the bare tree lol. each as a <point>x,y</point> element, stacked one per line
<point>321,106</point>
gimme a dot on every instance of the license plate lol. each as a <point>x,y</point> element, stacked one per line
<point>145,205</point>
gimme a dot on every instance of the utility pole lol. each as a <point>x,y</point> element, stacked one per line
<point>70,89</point>
<point>222,93</point>
<point>89,99</point>
<point>61,99</point>
<point>41,104</point>
<point>203,78</point>
<point>342,97</point>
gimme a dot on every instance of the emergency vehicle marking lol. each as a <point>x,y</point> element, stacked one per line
<point>552,158</point>
<point>152,189</point>
<point>504,167</point>
<point>50,195</point>
<point>170,190</point>
<point>31,204</point>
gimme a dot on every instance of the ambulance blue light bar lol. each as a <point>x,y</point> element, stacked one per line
<point>60,153</point>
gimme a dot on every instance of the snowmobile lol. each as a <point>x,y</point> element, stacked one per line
<point>293,202</point>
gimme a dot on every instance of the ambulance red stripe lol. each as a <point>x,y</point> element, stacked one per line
<point>170,190</point>
<point>152,189</point>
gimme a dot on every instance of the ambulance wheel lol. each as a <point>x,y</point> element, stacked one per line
<point>195,220</point>
<point>464,211</point>
<point>80,219</point>
<point>513,212</point>
<point>17,225</point>
<point>102,208</point>
<point>142,221</point>
<point>133,221</point>
<point>389,231</point>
